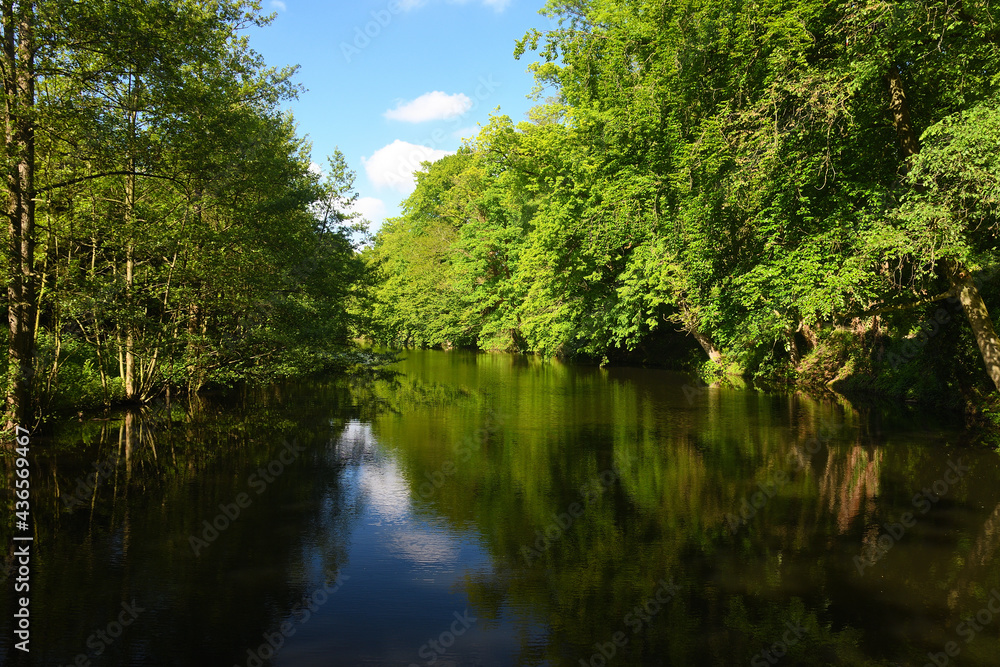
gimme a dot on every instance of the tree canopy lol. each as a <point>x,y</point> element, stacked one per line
<point>164,227</point>
<point>760,175</point>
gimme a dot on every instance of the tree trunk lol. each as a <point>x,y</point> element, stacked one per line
<point>706,344</point>
<point>901,116</point>
<point>793,347</point>
<point>979,320</point>
<point>131,393</point>
<point>19,91</point>
<point>130,390</point>
<point>690,322</point>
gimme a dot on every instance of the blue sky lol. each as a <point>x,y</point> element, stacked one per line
<point>395,82</point>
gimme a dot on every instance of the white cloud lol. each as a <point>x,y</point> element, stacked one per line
<point>315,169</point>
<point>430,106</point>
<point>280,6</point>
<point>371,209</point>
<point>393,165</point>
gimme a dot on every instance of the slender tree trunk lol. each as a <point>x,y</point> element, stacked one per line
<point>19,91</point>
<point>193,348</point>
<point>793,347</point>
<point>130,389</point>
<point>131,392</point>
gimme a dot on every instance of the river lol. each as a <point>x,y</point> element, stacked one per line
<point>482,509</point>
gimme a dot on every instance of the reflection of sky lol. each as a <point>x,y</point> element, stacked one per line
<point>387,499</point>
<point>404,576</point>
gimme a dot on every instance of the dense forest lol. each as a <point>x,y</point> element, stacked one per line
<point>800,191</point>
<point>164,228</point>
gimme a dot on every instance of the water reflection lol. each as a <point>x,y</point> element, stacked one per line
<point>850,484</point>
<point>445,516</point>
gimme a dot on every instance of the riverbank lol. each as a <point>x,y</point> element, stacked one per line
<point>921,370</point>
<point>78,390</point>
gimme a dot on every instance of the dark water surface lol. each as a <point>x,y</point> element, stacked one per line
<point>492,510</point>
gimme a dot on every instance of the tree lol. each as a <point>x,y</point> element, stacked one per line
<point>748,172</point>
<point>180,216</point>
<point>19,69</point>
<point>949,216</point>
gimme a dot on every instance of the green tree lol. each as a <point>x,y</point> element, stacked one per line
<point>184,239</point>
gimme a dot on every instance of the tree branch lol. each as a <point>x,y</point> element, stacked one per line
<point>882,308</point>
<point>81,179</point>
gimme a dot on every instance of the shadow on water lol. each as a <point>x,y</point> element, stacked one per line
<point>580,515</point>
<point>197,513</point>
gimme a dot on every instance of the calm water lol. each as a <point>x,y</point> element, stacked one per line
<point>488,510</point>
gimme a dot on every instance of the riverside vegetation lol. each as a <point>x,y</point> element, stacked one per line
<point>796,191</point>
<point>165,229</point>
<point>800,191</point>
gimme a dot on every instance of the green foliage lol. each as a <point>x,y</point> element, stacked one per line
<point>739,171</point>
<point>952,209</point>
<point>78,380</point>
<point>182,239</point>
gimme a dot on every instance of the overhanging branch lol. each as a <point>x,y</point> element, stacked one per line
<point>81,179</point>
<point>883,308</point>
